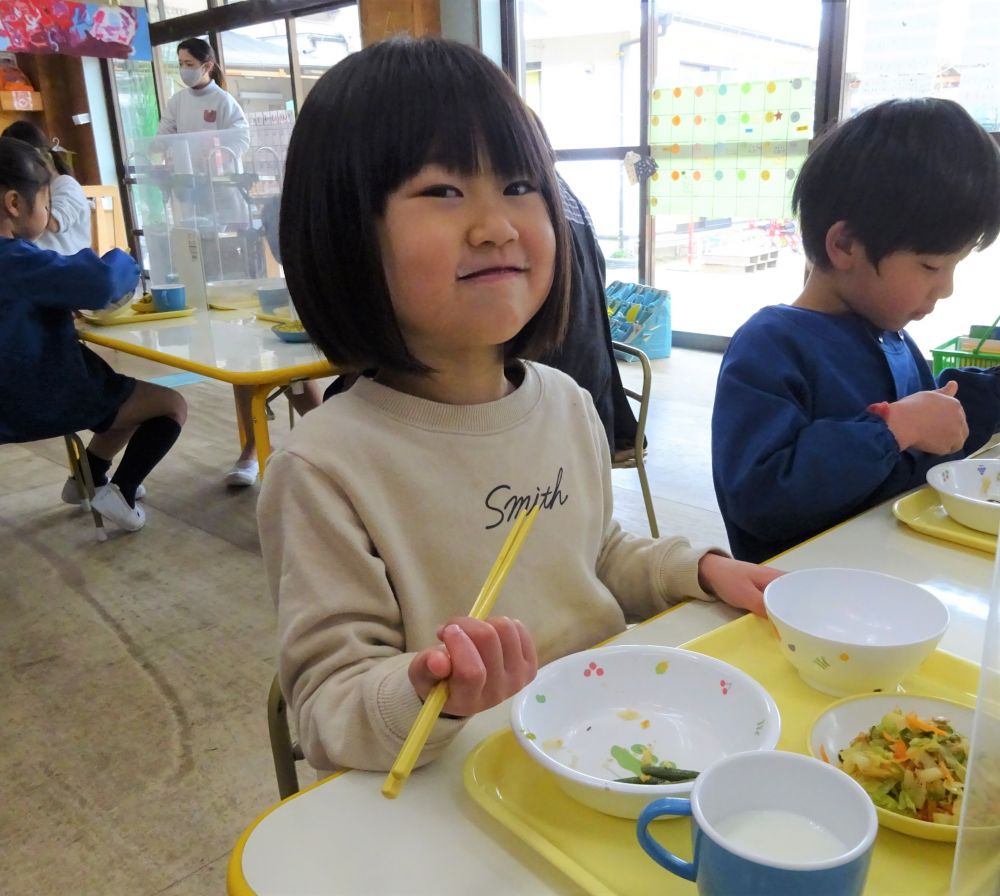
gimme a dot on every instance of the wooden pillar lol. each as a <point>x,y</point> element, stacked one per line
<point>60,81</point>
<point>383,18</point>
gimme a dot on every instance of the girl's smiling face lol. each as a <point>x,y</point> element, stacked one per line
<point>468,260</point>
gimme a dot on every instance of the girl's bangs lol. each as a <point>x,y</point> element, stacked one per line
<point>465,139</point>
<point>464,131</point>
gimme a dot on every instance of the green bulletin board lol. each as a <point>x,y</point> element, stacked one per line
<point>729,150</point>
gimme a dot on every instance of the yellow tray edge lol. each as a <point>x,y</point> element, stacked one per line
<point>513,822</point>
<point>136,317</point>
<point>272,318</point>
<point>918,511</point>
<point>233,304</point>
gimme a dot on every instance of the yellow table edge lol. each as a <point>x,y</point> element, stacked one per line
<point>236,883</point>
<point>249,378</point>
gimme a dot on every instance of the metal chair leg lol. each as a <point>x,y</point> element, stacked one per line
<point>639,459</point>
<point>284,751</point>
<point>647,497</point>
<point>80,470</point>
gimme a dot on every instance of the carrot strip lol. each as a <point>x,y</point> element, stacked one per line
<point>822,753</point>
<point>919,724</point>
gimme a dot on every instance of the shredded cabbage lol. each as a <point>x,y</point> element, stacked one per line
<point>911,766</point>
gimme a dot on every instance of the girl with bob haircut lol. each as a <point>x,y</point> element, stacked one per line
<point>425,248</point>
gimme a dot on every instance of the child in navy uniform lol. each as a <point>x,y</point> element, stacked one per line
<point>826,407</point>
<point>51,384</point>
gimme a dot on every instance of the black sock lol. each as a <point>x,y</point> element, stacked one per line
<point>98,468</point>
<point>147,447</point>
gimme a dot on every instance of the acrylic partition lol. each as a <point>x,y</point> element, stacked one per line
<point>977,855</point>
<point>205,200</point>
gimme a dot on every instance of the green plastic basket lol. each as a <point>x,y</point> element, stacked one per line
<point>950,355</point>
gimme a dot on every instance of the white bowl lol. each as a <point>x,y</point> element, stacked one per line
<point>851,630</point>
<point>586,713</point>
<point>970,491</point>
<point>840,723</point>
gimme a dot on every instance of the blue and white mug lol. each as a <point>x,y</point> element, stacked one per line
<point>770,823</point>
<point>168,297</point>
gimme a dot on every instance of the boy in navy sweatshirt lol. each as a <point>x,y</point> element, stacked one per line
<point>826,407</point>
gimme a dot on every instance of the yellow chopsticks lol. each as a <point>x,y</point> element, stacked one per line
<point>436,699</point>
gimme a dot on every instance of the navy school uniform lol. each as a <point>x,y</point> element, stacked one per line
<point>51,384</point>
<point>794,448</point>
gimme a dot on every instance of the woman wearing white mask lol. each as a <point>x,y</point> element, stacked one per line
<point>206,106</point>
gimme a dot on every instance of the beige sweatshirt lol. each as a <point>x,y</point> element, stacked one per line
<point>381,518</point>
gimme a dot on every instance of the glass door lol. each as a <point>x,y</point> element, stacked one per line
<point>731,116</point>
<point>943,48</point>
<point>681,125</point>
<point>580,71</point>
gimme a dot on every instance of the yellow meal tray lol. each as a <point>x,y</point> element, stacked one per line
<point>273,318</point>
<point>921,510</point>
<point>234,304</point>
<point>136,317</point>
<point>601,854</point>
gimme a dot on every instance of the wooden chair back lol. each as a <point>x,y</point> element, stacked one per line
<point>107,224</point>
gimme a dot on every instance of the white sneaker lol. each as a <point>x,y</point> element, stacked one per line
<point>71,492</point>
<point>243,473</point>
<point>111,504</point>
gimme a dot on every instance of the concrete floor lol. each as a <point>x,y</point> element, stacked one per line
<point>133,743</point>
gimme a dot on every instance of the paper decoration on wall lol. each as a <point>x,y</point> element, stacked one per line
<point>638,167</point>
<point>729,150</point>
<point>75,29</point>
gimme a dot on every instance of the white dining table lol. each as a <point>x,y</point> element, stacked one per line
<point>232,346</point>
<point>342,837</point>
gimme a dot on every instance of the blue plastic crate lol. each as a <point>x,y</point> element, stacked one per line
<point>640,316</point>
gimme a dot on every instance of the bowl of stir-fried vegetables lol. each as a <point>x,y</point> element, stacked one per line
<point>909,753</point>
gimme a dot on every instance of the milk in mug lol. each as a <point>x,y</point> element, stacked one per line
<point>779,836</point>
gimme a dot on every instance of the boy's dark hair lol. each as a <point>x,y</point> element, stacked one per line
<point>371,123</point>
<point>22,169</point>
<point>915,175</point>
<point>203,52</point>
<point>34,136</point>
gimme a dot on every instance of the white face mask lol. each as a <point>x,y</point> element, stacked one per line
<point>191,76</point>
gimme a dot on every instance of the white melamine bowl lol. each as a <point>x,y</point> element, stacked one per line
<point>969,491</point>
<point>851,630</point>
<point>589,718</point>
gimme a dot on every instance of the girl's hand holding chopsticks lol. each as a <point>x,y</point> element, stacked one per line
<point>485,662</point>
